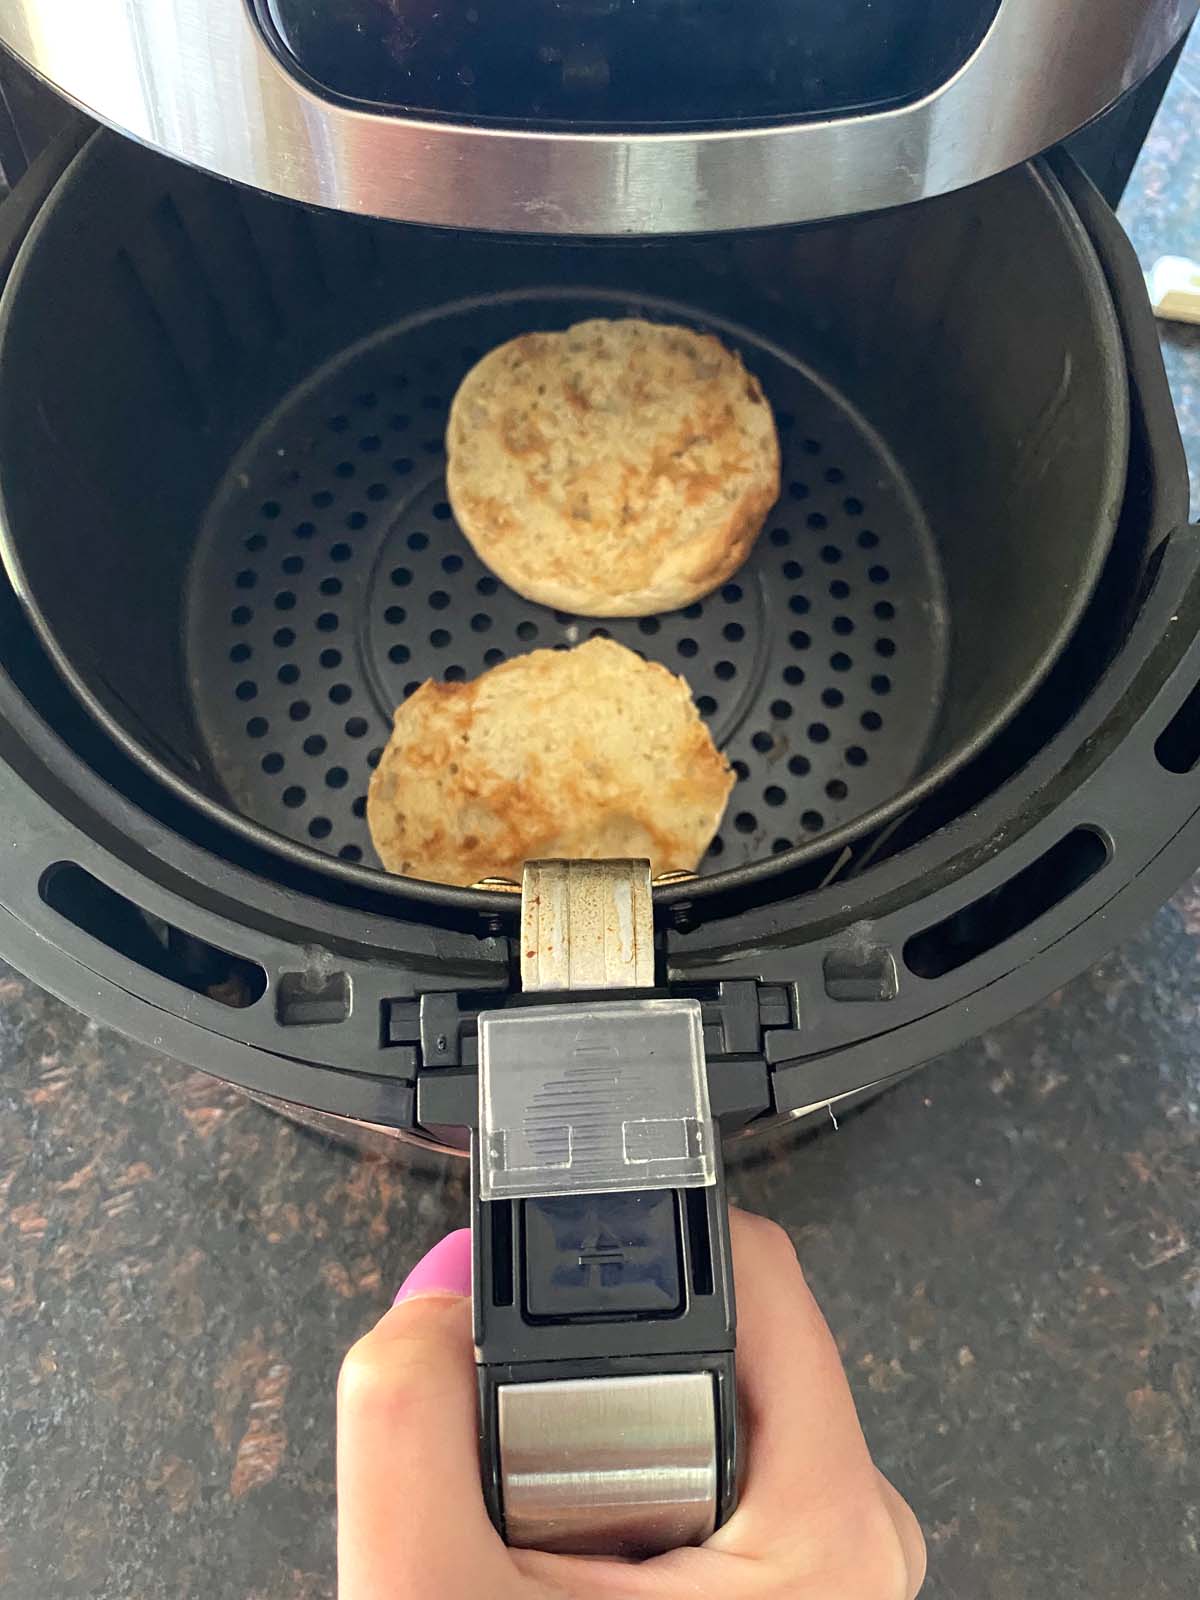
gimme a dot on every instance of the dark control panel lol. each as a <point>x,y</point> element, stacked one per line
<point>628,63</point>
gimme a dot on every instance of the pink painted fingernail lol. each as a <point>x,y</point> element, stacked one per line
<point>446,1269</point>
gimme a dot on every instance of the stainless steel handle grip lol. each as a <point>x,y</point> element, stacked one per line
<point>593,1466</point>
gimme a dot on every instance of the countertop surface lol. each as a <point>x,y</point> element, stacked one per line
<point>1005,1247</point>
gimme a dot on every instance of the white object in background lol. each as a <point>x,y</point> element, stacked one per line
<point>1174,285</point>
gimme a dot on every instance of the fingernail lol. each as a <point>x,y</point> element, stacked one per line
<point>446,1269</point>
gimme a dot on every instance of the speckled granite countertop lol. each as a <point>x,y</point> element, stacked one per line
<point>1005,1247</point>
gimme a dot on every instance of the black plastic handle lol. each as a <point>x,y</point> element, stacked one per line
<point>604,1286</point>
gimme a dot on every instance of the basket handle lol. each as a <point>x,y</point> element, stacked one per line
<point>604,1314</point>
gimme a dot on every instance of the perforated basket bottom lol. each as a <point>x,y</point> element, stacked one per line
<point>330,580</point>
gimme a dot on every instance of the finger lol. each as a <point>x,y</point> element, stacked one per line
<point>809,1476</point>
<point>411,1519</point>
<point>816,1518</point>
<point>908,1530</point>
<point>700,1574</point>
<point>886,1562</point>
<point>803,1445</point>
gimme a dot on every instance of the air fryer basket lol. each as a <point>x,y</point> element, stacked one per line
<point>329,985</point>
<point>224,507</point>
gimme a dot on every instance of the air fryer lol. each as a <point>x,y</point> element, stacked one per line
<point>956,678</point>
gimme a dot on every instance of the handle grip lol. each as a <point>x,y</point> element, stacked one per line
<point>604,1313</point>
<point>605,1335</point>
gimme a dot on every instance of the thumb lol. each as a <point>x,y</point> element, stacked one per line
<point>411,1519</point>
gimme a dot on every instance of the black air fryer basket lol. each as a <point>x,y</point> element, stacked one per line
<point>948,677</point>
<point>225,428</point>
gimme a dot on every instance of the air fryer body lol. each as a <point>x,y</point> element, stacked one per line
<point>602,117</point>
<point>272,953</point>
<point>315,981</point>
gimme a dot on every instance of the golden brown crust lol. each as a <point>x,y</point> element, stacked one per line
<point>616,469</point>
<point>590,752</point>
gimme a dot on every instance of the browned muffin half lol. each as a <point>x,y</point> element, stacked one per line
<point>617,469</point>
<point>586,753</point>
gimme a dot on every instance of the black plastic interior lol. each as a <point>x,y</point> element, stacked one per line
<point>629,63</point>
<point>184,959</point>
<point>1019,902</point>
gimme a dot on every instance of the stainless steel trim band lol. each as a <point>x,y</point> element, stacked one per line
<point>195,79</point>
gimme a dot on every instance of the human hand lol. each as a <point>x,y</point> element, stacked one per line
<point>816,1519</point>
